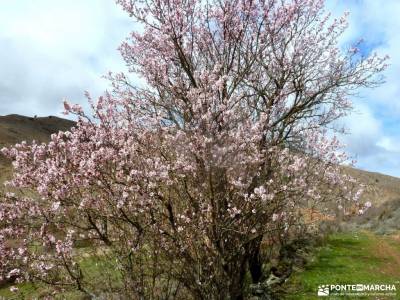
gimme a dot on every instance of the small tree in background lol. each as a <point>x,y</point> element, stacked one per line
<point>172,188</point>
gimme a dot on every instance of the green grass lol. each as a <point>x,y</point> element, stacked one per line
<point>98,271</point>
<point>345,258</point>
<point>37,291</point>
<point>26,291</point>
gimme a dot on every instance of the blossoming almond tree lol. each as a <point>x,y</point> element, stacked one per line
<point>175,184</point>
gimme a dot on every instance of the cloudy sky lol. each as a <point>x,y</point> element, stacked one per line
<point>53,49</point>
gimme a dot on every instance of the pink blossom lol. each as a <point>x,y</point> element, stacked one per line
<point>227,135</point>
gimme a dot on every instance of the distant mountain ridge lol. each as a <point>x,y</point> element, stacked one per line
<point>16,128</point>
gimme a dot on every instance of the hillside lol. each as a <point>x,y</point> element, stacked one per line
<point>380,188</point>
<point>16,128</point>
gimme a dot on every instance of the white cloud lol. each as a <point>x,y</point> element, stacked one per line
<point>375,136</point>
<point>55,49</point>
<point>365,131</point>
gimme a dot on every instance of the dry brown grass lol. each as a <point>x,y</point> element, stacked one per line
<point>314,216</point>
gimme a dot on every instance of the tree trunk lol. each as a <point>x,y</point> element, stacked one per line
<point>255,263</point>
<point>237,281</point>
